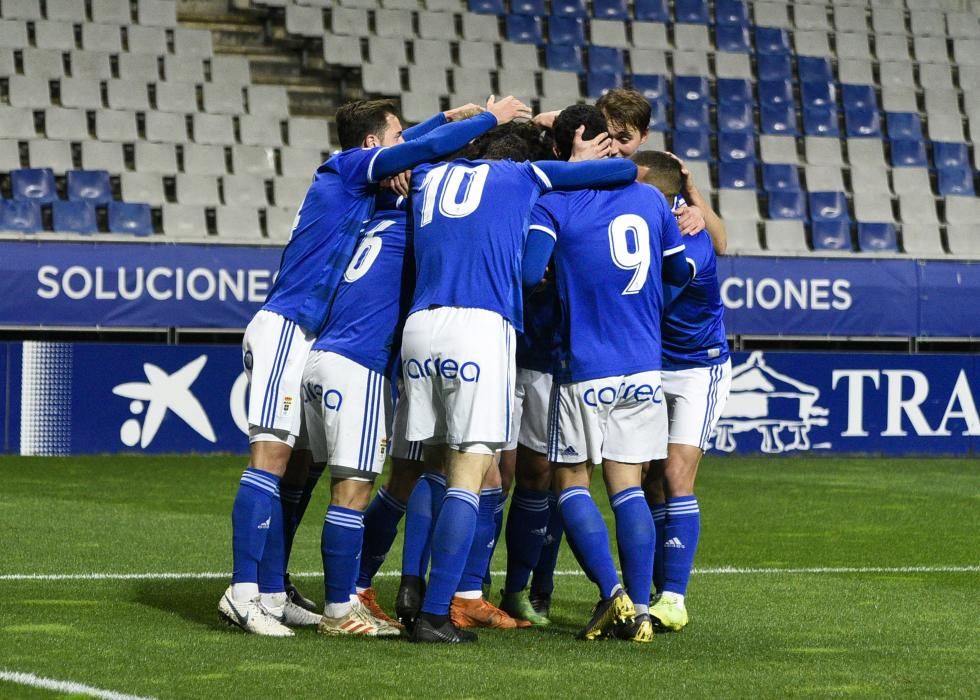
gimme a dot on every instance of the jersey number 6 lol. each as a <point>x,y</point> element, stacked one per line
<point>629,246</point>
<point>461,194</point>
<point>367,252</point>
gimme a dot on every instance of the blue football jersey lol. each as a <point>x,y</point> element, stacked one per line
<point>367,313</point>
<point>608,258</point>
<point>470,220</point>
<point>539,344</point>
<point>694,315</point>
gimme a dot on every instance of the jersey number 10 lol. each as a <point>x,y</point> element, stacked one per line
<point>629,246</point>
<point>461,193</point>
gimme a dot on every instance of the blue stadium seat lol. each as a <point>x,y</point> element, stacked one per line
<point>733,38</point>
<point>691,11</point>
<point>736,175</point>
<point>820,121</point>
<point>787,205</point>
<point>771,40</point>
<point>775,92</point>
<point>598,84</point>
<point>566,31</point>
<point>908,154</point>
<point>23,216</point>
<point>650,11</point>
<point>862,122</point>
<point>691,116</point>
<point>776,66</point>
<point>779,120</point>
<point>74,217</point>
<point>652,87</point>
<point>828,206</point>
<point>780,177</point>
<point>569,8</point>
<point>487,7</point>
<point>904,125</point>
<point>815,68</point>
<point>817,94</point>
<point>89,186</point>
<point>524,30</point>
<point>603,59</point>
<point>658,115</point>
<point>532,8</point>
<point>610,9</point>
<point>877,237</point>
<point>950,155</point>
<point>734,90</point>
<point>564,58</point>
<point>859,96</point>
<point>734,146</point>
<point>127,217</point>
<point>956,181</point>
<point>735,116</point>
<point>728,12</point>
<point>692,145</point>
<point>832,235</point>
<point>34,184</point>
<point>691,87</point>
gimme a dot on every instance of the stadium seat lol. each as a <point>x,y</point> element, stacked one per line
<point>486,7</point>
<point>691,12</point>
<point>133,66</point>
<point>738,205</point>
<point>734,90</point>
<point>815,69</point>
<point>115,125</point>
<point>20,216</point>
<point>524,30</point>
<point>608,33</point>
<point>950,155</point>
<point>10,155</point>
<point>825,178</point>
<point>743,235</point>
<point>243,190</point>
<point>111,11</point>
<point>177,97</point>
<point>737,175</point>
<point>877,237</point>
<point>820,121</point>
<point>734,116</point>
<point>692,145</point>
<point>479,28</point>
<point>778,149</point>
<point>911,180</point>
<point>735,146</point>
<point>859,96</point>
<point>653,87</point>
<point>917,207</point>
<point>907,153</point>
<point>89,186</point>
<point>50,154</point>
<point>691,63</point>
<point>648,61</point>
<point>99,155</point>
<point>691,116</point>
<point>33,184</point>
<point>81,93</point>
<point>823,151</point>
<point>477,54</point>
<point>818,94</point>
<point>145,40</point>
<point>155,157</point>
<point>777,66</point>
<point>732,38</point>
<point>566,31</point>
<point>828,206</point>
<point>201,190</point>
<point>28,92</point>
<point>185,221</point>
<point>603,59</point>
<point>73,217</point>
<point>644,10</point>
<point>658,115</point>
<point>132,218</point>
<point>127,95</point>
<point>787,205</point>
<point>922,240</point>
<point>238,223</point>
<point>598,84</point>
<point>610,9</point>
<point>156,13</point>
<point>956,181</point>
<point>564,58</point>
<point>771,40</point>
<point>964,239</point>
<point>66,11</point>
<point>569,8</point>
<point>786,236</point>
<point>775,92</point>
<point>778,119</point>
<point>854,71</point>
<point>862,122</point>
<point>781,177</point>
<point>290,191</point>
<point>831,235</point>
<point>214,129</point>
<point>873,208</point>
<point>731,12</point>
<point>691,88</point>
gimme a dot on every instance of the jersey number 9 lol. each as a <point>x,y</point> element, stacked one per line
<point>629,246</point>
<point>461,193</point>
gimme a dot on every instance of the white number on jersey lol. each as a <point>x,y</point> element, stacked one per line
<point>367,252</point>
<point>629,246</point>
<point>461,194</point>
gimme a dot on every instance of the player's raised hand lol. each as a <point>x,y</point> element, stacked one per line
<point>457,114</point>
<point>508,109</point>
<point>690,220</point>
<point>688,183</point>
<point>400,184</point>
<point>546,119</point>
<point>594,149</point>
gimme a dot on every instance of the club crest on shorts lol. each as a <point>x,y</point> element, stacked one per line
<point>287,405</point>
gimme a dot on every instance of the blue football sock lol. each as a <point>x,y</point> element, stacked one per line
<point>290,497</point>
<point>659,513</point>
<point>272,567</point>
<point>451,542</point>
<point>588,537</point>
<point>527,525</point>
<point>251,518</point>
<point>380,527</point>
<point>636,539</point>
<point>343,533</point>
<point>544,572</point>
<point>681,531</point>
<point>478,558</point>
<point>420,517</point>
<point>498,527</point>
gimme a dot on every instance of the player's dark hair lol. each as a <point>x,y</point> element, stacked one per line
<point>506,147</point>
<point>623,107</point>
<point>517,141</point>
<point>357,119</point>
<point>660,170</point>
<point>569,120</point>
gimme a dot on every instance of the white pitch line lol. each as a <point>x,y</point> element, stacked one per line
<point>64,686</point>
<point>713,571</point>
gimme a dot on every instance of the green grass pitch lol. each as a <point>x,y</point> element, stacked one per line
<point>912,633</point>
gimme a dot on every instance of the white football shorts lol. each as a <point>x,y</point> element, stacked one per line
<point>348,413</point>
<point>459,374</point>
<point>274,352</point>
<point>401,447</point>
<point>695,400</point>
<point>622,418</point>
<point>529,424</point>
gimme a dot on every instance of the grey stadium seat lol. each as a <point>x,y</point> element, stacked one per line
<point>193,42</point>
<point>7,62</point>
<point>184,221</point>
<point>922,240</point>
<point>927,23</point>
<point>417,106</point>
<point>394,23</point>
<point>22,9</point>
<point>892,48</point>
<point>243,190</point>
<point>612,33</point>
<point>855,71</point>
<point>146,40</point>
<point>188,69</point>
<point>650,35</point>
<point>945,127</point>
<point>962,210</point>
<point>786,237</point>
<point>431,52</point>
<point>424,78</point>
<point>560,84</point>
<point>823,151</point>
<point>142,187</point>
<point>90,64</point>
<point>917,208</point>
<point>886,20</point>
<point>268,100</point>
<point>648,61</point>
<point>699,170</point>
<point>223,99</point>
<point>28,92</point>
<point>778,149</point>
<point>259,130</point>
<point>824,178</point>
<point>176,97</point>
<point>279,222</point>
<point>738,205</point>
<point>771,14</point>
<point>127,94</point>
<point>215,129</point>
<point>115,125</point>
<point>309,131</point>
<point>111,11</point>
<point>50,154</point>
<point>936,75</point>
<point>13,34</point>
<point>873,208</point>
<point>733,65</point>
<point>157,13</point>
<point>102,37</point>
<point>344,50</point>
<point>301,162</point>
<point>304,21</point>
<point>871,179</point>
<point>387,51</point>
<point>230,70</point>
<point>853,45</point>
<point>964,239</point>
<point>155,158</point>
<point>516,82</point>
<point>66,11</point>
<point>9,155</point>
<point>102,155</point>
<point>134,66</point>
<point>812,43</point>
<point>911,180</point>
<point>480,27</point>
<point>743,236</point>
<point>930,49</point>
<point>290,191</point>
<point>350,22</point>
<point>518,56</point>
<point>899,98</point>
<point>810,17</point>
<point>61,123</point>
<point>204,160</point>
<point>164,127</point>
<point>896,73</point>
<point>472,82</point>
<point>691,63</point>
<point>866,151</point>
<point>477,54</point>
<point>238,223</point>
<point>253,160</point>
<point>43,63</point>
<point>436,25</point>
<point>54,35</point>
<point>197,189</point>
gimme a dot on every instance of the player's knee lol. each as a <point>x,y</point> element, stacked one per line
<point>404,475</point>
<point>270,455</point>
<point>353,493</point>
<point>568,475</point>
<point>681,469</point>
<point>533,470</point>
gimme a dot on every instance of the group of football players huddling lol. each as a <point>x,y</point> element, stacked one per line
<point>491,300</point>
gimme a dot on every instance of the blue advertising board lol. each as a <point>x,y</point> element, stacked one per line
<point>949,303</point>
<point>94,398</point>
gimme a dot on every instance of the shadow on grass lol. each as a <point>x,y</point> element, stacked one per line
<point>195,601</point>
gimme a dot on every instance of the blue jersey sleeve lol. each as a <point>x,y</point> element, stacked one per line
<point>541,237</point>
<point>610,172</point>
<point>675,269</point>
<point>420,130</point>
<point>439,142</point>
